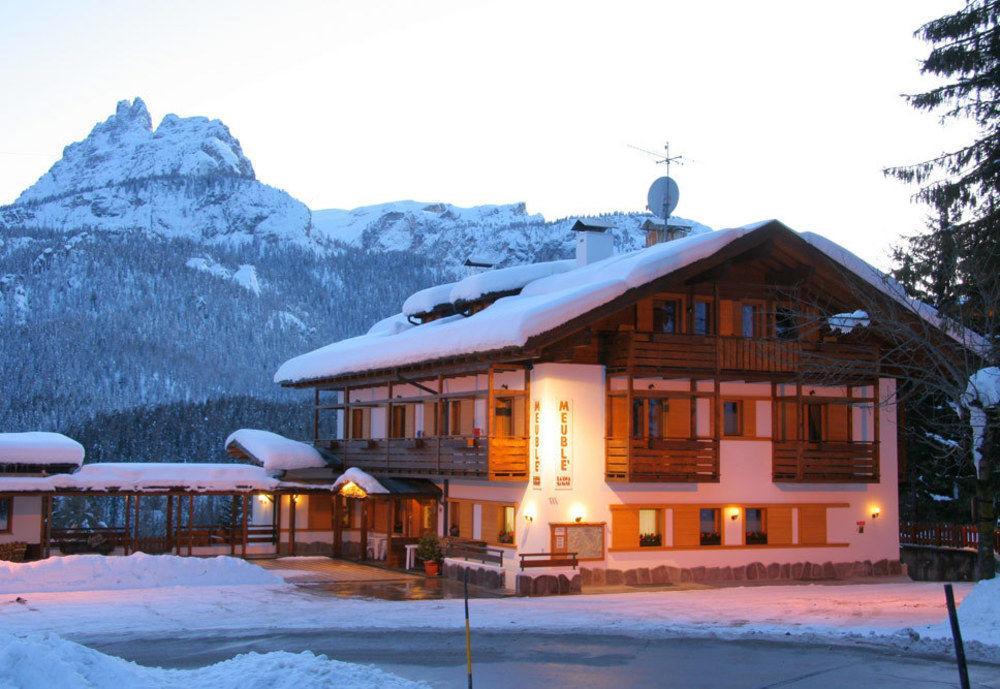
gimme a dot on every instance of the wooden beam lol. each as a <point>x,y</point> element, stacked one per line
<point>190,525</point>
<point>291,524</point>
<point>127,540</point>
<point>246,508</point>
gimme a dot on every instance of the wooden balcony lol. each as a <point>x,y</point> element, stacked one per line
<point>664,461</point>
<point>496,459</point>
<point>829,462</point>
<point>650,352</point>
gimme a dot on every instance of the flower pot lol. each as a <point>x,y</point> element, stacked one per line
<point>432,568</point>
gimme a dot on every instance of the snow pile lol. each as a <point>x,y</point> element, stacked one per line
<point>39,447</point>
<point>274,452</point>
<point>979,613</point>
<point>151,476</point>
<point>542,305</point>
<point>427,299</point>
<point>366,482</point>
<point>137,571</point>
<point>31,662</point>
<point>847,322</point>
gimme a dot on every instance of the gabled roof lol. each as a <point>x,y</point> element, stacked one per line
<point>555,302</point>
<point>274,452</point>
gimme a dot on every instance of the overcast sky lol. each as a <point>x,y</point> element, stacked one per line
<point>786,109</point>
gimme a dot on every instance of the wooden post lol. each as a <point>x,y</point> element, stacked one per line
<point>168,523</point>
<point>439,421</point>
<point>135,529</point>
<point>232,525</point>
<point>246,509</point>
<point>127,536</point>
<point>388,427</point>
<point>363,555</point>
<point>390,527</point>
<point>190,530</point>
<point>694,408</point>
<point>800,422</point>
<point>179,525</point>
<point>445,527</point>
<point>291,524</point>
<point>316,416</point>
<point>46,535</point>
<point>276,520</point>
<point>348,423</point>
<point>629,431</point>
<point>338,528</point>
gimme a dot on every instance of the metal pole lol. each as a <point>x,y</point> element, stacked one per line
<point>956,633</point>
<point>468,635</point>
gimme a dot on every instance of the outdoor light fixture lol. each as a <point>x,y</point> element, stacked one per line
<point>529,513</point>
<point>576,513</point>
<point>734,513</point>
<point>876,511</point>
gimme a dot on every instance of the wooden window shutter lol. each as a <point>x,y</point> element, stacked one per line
<point>465,520</point>
<point>644,315</point>
<point>678,417</point>
<point>619,417</point>
<point>468,419</point>
<point>779,525</point>
<point>726,317</point>
<point>430,419</point>
<point>379,516</point>
<point>812,525</point>
<point>491,522</point>
<point>750,418</point>
<point>624,528</point>
<point>687,532</point>
<point>788,421</point>
<point>838,422</point>
<point>411,421</point>
<point>320,512</point>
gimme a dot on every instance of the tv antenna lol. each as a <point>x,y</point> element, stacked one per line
<point>662,158</point>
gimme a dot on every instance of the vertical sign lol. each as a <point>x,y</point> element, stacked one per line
<point>536,439</point>
<point>564,458</point>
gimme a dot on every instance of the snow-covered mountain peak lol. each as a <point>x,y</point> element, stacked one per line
<point>126,148</point>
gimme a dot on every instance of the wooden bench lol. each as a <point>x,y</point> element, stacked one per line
<point>549,560</point>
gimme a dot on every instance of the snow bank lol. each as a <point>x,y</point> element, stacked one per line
<point>35,661</point>
<point>275,452</point>
<point>39,447</point>
<point>979,613</point>
<point>137,571</point>
<point>366,482</point>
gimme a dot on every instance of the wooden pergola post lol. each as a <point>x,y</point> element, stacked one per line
<point>232,525</point>
<point>363,555</point>
<point>389,527</point>
<point>46,535</point>
<point>190,529</point>
<point>291,524</point>
<point>169,522</point>
<point>338,524</point>
<point>246,508</point>
<point>127,536</point>
<point>178,525</point>
<point>135,527</point>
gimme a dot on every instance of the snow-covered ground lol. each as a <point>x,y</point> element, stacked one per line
<point>37,661</point>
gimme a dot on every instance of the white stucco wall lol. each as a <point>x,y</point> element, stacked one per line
<point>745,477</point>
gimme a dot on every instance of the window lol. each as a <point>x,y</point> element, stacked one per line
<point>732,417</point>
<point>709,526</point>
<point>506,535</point>
<point>655,410</point>
<point>453,418</point>
<point>666,316</point>
<point>814,421</point>
<point>638,419</point>
<point>755,526</point>
<point>650,534</point>
<point>785,324</point>
<point>750,320</point>
<point>5,514</point>
<point>702,317</point>
<point>455,519</point>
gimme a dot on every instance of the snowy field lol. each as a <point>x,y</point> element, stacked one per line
<point>900,615</point>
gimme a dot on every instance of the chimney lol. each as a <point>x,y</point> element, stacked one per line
<point>593,241</point>
<point>658,233</point>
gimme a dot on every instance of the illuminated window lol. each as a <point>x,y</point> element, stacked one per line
<point>507,514</point>
<point>755,526</point>
<point>650,535</point>
<point>710,533</point>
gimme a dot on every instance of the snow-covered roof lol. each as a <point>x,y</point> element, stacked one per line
<point>366,482</point>
<point>559,293</point>
<point>274,452</point>
<point>427,299</point>
<point>154,477</point>
<point>39,448</point>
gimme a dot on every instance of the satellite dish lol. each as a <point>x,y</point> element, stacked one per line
<point>662,197</point>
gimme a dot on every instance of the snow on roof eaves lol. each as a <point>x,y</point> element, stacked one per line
<point>427,300</point>
<point>275,452</point>
<point>39,448</point>
<point>543,304</point>
<point>139,477</point>
<point>365,481</point>
<point>548,302</point>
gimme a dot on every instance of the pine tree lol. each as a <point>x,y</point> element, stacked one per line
<point>955,265</point>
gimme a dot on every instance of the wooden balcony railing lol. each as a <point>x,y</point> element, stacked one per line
<point>496,458</point>
<point>666,461</point>
<point>651,351</point>
<point>828,462</point>
<point>943,535</point>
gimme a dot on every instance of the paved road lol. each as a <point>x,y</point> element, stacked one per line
<point>580,661</point>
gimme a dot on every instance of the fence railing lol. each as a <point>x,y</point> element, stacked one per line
<point>943,535</point>
<point>474,551</point>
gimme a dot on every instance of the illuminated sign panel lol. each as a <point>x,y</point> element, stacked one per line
<point>536,440</point>
<point>564,455</point>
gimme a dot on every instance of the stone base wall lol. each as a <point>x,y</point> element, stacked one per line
<point>939,564</point>
<point>491,579</point>
<point>549,584</point>
<point>756,571</point>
